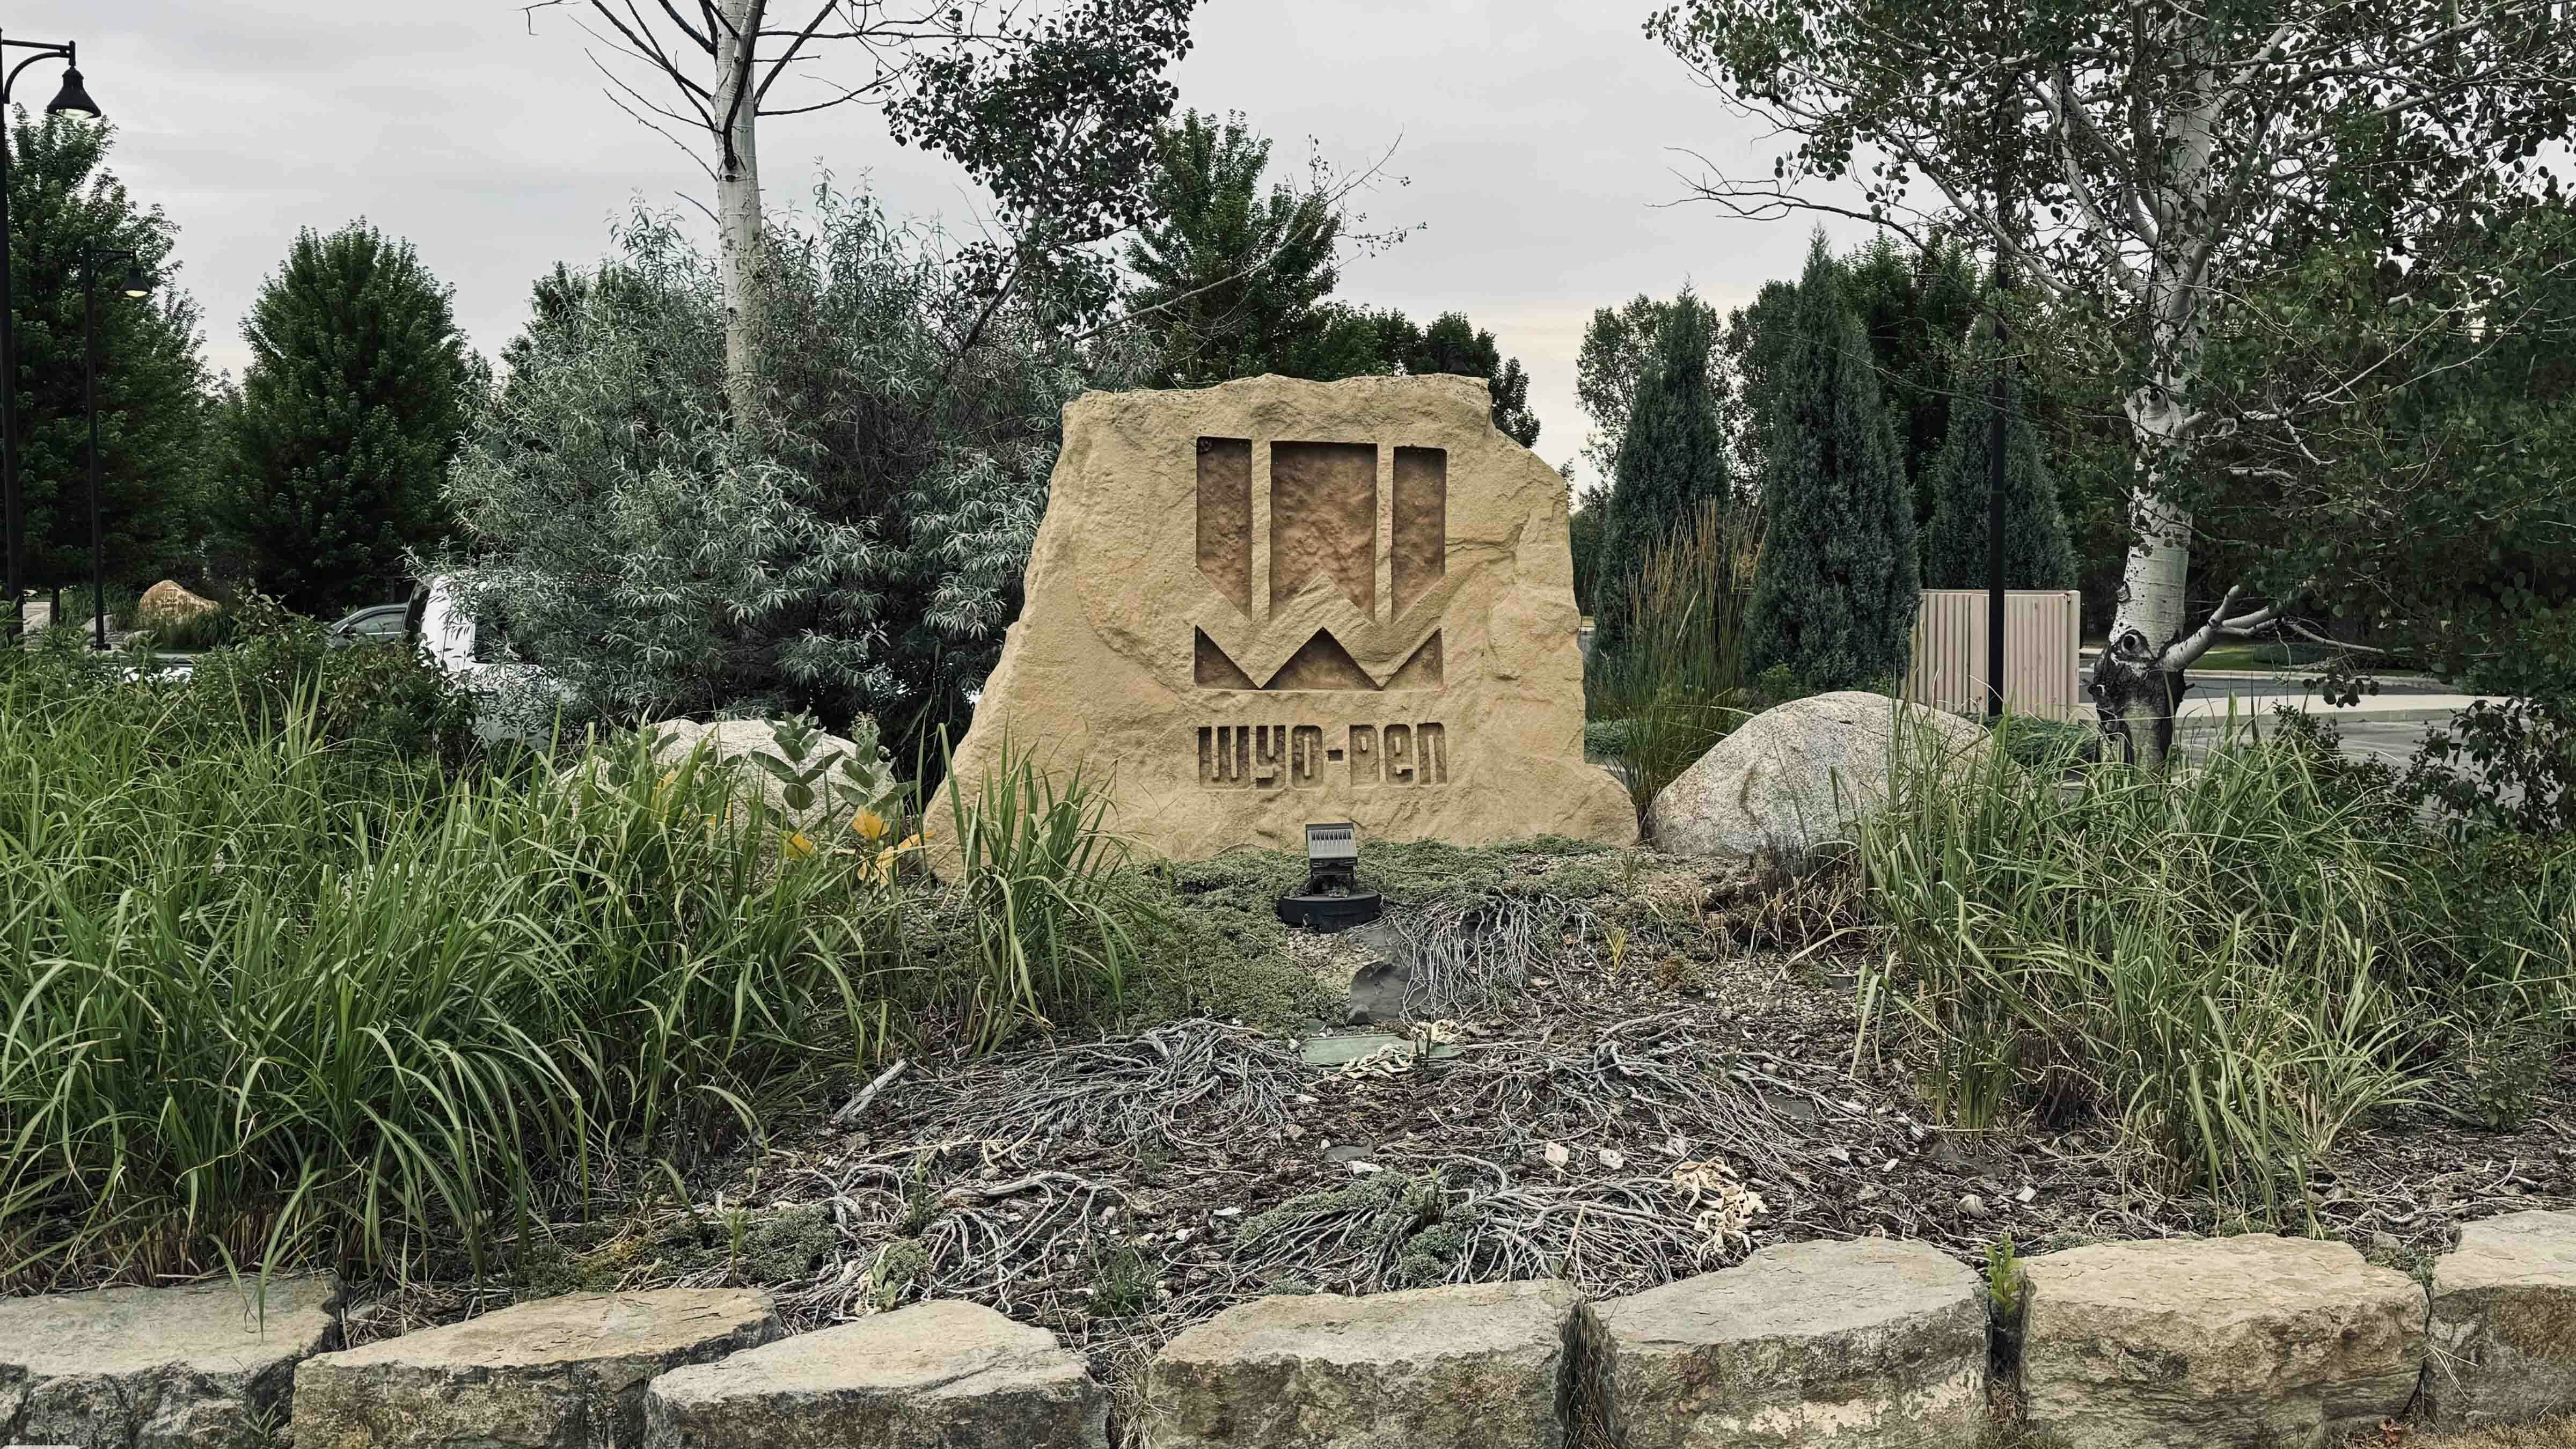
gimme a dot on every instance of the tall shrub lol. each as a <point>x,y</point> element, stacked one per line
<point>348,414</point>
<point>1672,458</point>
<point>1834,598</point>
<point>2037,553</point>
<point>861,550</point>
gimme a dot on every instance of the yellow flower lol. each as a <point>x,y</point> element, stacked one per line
<point>869,824</point>
<point>883,868</point>
<point>797,844</point>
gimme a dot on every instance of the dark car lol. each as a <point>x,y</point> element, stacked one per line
<point>379,623</point>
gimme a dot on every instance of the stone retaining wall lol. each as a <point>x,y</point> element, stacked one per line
<point>1870,1344</point>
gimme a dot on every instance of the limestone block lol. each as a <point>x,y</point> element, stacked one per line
<point>1870,1344</point>
<point>1271,602</point>
<point>1462,1367</point>
<point>1803,774</point>
<point>2224,1341</point>
<point>157,1368</point>
<point>556,1373</point>
<point>950,1375</point>
<point>2504,1322</point>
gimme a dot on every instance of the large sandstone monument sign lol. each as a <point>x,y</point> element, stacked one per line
<point>1271,602</point>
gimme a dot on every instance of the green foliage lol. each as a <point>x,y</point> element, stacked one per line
<point>1230,279</point>
<point>2238,966</point>
<point>187,633</point>
<point>1672,463</point>
<point>1054,924</point>
<point>2005,1286</point>
<point>1058,113</point>
<point>1955,542</point>
<point>1583,530</point>
<point>1122,1282</point>
<point>860,554</point>
<point>1916,307</point>
<point>2507,765</point>
<point>1603,739</point>
<point>347,415</point>
<point>153,410</point>
<point>857,784</point>
<point>1454,345</point>
<point>1620,345</point>
<point>2037,743</point>
<point>1836,591</point>
<point>277,1004</point>
<point>1676,683</point>
<point>375,699</point>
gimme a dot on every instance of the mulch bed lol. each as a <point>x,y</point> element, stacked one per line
<point>1619,1117</point>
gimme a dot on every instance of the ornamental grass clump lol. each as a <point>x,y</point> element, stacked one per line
<point>273,999</point>
<point>2238,963</point>
<point>1675,683</point>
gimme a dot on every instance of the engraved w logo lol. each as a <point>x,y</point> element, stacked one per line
<point>1329,564</point>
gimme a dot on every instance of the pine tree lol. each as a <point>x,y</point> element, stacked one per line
<point>2037,554</point>
<point>152,404</point>
<point>348,413</point>
<point>1229,274</point>
<point>1835,594</point>
<point>1671,458</point>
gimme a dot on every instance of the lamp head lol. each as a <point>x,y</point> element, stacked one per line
<point>73,99</point>
<point>137,285</point>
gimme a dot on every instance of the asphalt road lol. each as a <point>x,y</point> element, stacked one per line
<point>2254,696</point>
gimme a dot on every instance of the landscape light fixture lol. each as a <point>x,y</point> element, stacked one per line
<point>72,100</point>
<point>136,286</point>
<point>1332,900</point>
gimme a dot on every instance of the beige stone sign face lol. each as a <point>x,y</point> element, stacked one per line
<point>1271,602</point>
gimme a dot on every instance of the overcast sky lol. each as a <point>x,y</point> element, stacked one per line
<point>1536,138</point>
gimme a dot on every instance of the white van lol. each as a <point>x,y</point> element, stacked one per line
<point>514,699</point>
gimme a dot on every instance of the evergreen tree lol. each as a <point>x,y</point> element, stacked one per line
<point>1916,307</point>
<point>1454,345</point>
<point>152,403</point>
<point>348,413</point>
<point>2037,554</point>
<point>1618,348</point>
<point>1670,460</point>
<point>1835,595</point>
<point>1230,275</point>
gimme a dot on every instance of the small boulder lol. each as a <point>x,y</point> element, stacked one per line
<point>1802,775</point>
<point>157,1368</point>
<point>2209,1343</point>
<point>1461,1367</point>
<point>166,601</point>
<point>1868,1344</point>
<point>556,1373</point>
<point>957,1375</point>
<point>2504,1322</point>
<point>813,782</point>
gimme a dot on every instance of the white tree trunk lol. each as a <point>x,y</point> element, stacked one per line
<point>2134,686</point>
<point>2138,682</point>
<point>739,248</point>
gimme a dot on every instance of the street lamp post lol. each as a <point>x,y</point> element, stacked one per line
<point>136,286</point>
<point>72,100</point>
